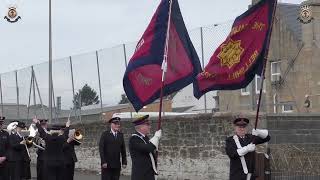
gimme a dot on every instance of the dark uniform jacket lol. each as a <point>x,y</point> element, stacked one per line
<point>110,148</point>
<point>18,156</point>
<point>4,144</point>
<point>53,155</point>
<point>40,155</point>
<point>141,162</point>
<point>70,156</point>
<point>17,151</point>
<point>236,170</point>
<point>4,148</point>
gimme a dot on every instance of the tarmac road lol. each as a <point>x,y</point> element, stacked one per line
<point>79,175</point>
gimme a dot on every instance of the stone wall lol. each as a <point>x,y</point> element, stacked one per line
<point>192,147</point>
<point>295,144</point>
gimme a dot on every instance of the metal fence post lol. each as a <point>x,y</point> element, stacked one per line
<point>17,88</point>
<point>72,83</point>
<point>34,92</point>
<point>126,65</point>
<point>98,68</point>
<point>202,58</point>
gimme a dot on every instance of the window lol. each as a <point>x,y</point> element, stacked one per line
<point>246,91</point>
<point>275,71</point>
<point>258,85</point>
<point>287,108</point>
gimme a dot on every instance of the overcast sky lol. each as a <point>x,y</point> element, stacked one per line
<point>81,26</point>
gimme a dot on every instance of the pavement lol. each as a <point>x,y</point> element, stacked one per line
<point>79,175</point>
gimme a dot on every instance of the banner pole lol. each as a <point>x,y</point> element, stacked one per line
<point>164,64</point>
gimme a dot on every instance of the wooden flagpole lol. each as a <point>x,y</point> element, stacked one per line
<point>164,63</point>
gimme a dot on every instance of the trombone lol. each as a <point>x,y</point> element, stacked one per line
<point>34,139</point>
<point>76,135</point>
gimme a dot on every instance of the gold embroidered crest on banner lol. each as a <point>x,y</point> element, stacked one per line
<point>230,53</point>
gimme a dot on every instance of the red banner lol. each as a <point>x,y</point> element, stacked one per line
<point>241,56</point>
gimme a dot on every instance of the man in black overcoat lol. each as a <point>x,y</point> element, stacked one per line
<point>142,150</point>
<point>53,155</point>
<point>70,157</point>
<point>4,147</point>
<point>41,174</point>
<point>111,148</point>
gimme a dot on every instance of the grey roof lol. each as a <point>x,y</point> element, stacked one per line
<point>288,15</point>
<point>181,109</point>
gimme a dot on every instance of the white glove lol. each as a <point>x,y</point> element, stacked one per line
<point>156,138</point>
<point>248,148</point>
<point>262,133</point>
<point>158,133</point>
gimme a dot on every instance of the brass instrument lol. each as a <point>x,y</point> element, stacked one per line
<point>11,128</point>
<point>26,146</point>
<point>76,135</point>
<point>29,141</point>
<point>34,139</point>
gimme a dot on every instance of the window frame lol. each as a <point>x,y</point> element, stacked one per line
<point>256,82</point>
<point>273,74</point>
<point>286,111</point>
<point>245,93</point>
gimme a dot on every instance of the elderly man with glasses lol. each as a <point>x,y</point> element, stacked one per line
<point>142,150</point>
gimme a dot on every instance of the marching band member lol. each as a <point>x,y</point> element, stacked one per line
<point>240,149</point>
<point>4,147</point>
<point>18,158</point>
<point>53,154</point>
<point>70,157</point>
<point>142,150</point>
<point>111,146</point>
<point>40,154</point>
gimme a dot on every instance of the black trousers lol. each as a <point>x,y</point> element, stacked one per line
<point>54,172</point>
<point>110,173</point>
<point>15,170</point>
<point>26,171</point>
<point>40,170</point>
<point>4,171</point>
<point>69,171</point>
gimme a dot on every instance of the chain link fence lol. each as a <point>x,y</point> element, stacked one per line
<point>292,162</point>
<point>24,92</point>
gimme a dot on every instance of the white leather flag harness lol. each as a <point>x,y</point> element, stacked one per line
<point>150,154</point>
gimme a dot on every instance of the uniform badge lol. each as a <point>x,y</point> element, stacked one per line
<point>12,15</point>
<point>305,15</point>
